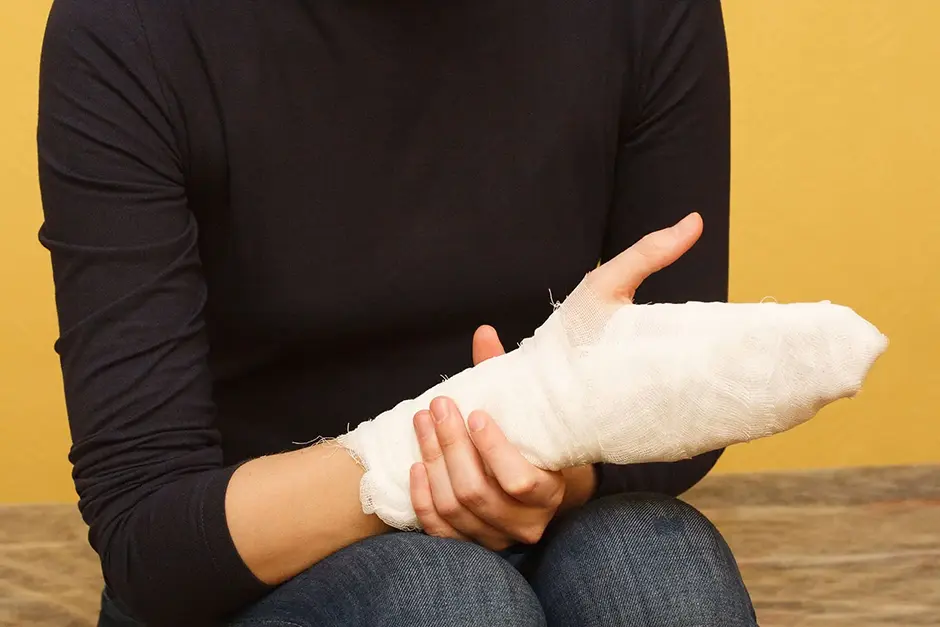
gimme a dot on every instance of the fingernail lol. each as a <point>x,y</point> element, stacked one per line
<point>423,426</point>
<point>439,410</point>
<point>476,422</point>
<point>687,224</point>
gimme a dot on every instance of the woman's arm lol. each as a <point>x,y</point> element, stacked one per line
<point>674,158</point>
<point>182,539</point>
<point>286,512</point>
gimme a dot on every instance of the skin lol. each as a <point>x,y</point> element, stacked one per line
<point>470,485</point>
<point>473,484</point>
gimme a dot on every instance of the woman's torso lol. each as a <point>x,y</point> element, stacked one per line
<point>373,180</point>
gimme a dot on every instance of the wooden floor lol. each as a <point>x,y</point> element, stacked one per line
<point>854,548</point>
<point>858,548</point>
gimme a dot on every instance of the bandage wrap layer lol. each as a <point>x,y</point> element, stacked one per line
<point>628,384</point>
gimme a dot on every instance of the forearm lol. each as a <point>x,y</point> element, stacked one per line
<point>287,512</point>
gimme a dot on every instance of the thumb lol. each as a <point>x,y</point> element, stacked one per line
<point>486,344</point>
<point>619,278</point>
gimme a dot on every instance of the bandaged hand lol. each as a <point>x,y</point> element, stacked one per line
<point>603,380</point>
<point>474,485</point>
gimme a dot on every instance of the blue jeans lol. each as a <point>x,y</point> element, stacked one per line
<point>624,561</point>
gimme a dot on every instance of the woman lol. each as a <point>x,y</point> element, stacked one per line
<point>270,221</point>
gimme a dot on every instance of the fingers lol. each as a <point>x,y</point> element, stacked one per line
<point>473,488</point>
<point>464,499</point>
<point>515,474</point>
<point>620,277</point>
<point>486,344</point>
<point>462,463</point>
<point>423,503</point>
<point>448,506</point>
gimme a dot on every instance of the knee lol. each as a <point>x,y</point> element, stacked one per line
<point>463,577</point>
<point>406,579</point>
<point>641,555</point>
<point>645,528</point>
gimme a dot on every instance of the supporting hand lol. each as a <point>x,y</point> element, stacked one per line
<point>477,486</point>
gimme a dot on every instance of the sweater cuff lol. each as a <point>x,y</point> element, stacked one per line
<point>240,583</point>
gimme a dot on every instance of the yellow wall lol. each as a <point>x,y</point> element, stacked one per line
<point>34,437</point>
<point>836,196</point>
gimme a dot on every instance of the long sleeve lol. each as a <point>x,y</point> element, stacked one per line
<point>674,158</point>
<point>130,296</point>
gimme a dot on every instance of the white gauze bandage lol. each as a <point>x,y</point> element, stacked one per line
<point>627,384</point>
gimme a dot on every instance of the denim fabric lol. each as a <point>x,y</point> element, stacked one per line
<point>621,561</point>
<point>400,580</point>
<point>638,561</point>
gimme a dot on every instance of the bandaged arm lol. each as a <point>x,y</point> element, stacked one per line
<point>673,158</point>
<point>624,384</point>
